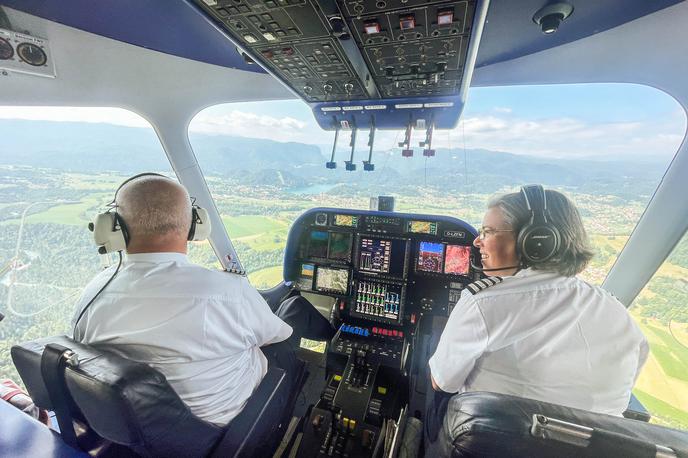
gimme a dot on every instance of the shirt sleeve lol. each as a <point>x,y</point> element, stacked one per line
<point>265,326</point>
<point>463,341</point>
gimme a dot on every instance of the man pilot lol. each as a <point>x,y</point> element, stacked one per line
<point>536,330</point>
<point>202,329</point>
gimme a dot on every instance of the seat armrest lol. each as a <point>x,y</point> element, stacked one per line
<point>260,418</point>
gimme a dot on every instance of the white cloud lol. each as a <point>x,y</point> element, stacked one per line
<point>566,137</point>
<point>245,124</point>
<point>502,109</point>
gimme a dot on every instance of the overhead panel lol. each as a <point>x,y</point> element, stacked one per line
<point>357,52</point>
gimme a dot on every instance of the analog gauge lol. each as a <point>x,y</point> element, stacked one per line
<point>6,50</point>
<point>32,54</point>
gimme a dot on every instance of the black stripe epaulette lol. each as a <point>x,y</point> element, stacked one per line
<point>485,283</point>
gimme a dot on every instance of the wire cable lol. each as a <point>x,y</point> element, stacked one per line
<point>81,314</point>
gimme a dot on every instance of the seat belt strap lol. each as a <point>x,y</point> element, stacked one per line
<point>54,361</point>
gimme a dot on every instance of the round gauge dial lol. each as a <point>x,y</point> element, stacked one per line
<point>6,50</point>
<point>32,54</point>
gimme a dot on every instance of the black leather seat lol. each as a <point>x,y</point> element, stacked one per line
<point>488,424</point>
<point>120,407</point>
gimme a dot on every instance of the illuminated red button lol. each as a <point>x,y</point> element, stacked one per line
<point>288,51</point>
<point>445,17</point>
<point>268,54</point>
<point>374,330</point>
<point>401,333</point>
<point>385,332</point>
<point>371,27</point>
<point>395,333</point>
<point>407,22</point>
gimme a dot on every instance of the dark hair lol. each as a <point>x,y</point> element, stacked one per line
<point>574,252</point>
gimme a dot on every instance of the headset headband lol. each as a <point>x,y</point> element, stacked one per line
<point>538,240</point>
<point>111,233</point>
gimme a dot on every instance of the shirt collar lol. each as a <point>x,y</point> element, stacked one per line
<point>157,258</point>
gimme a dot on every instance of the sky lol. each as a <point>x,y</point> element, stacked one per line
<point>596,121</point>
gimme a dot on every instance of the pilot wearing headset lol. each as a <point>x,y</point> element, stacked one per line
<point>534,329</point>
<point>202,329</point>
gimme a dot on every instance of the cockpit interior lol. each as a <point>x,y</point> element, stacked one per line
<point>386,280</point>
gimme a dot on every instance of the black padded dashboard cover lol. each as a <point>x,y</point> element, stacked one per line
<point>487,424</point>
<point>126,402</point>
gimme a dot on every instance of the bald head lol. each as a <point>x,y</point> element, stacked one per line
<point>157,212</point>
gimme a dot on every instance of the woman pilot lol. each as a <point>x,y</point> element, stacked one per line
<point>534,329</point>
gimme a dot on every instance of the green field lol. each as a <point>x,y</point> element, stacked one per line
<point>663,413</point>
<point>251,225</point>
<point>266,278</point>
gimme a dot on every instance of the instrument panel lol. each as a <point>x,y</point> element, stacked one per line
<point>383,267</point>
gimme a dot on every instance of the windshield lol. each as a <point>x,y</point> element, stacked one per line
<point>606,146</point>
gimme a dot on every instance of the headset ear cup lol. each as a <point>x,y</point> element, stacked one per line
<point>200,224</point>
<point>538,243</point>
<point>109,232</point>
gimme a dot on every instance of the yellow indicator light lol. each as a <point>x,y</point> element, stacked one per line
<point>352,424</point>
<point>346,423</point>
<point>382,390</point>
<point>337,378</point>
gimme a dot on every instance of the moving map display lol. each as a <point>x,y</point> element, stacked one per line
<point>340,246</point>
<point>430,257</point>
<point>422,227</point>
<point>332,280</point>
<point>346,220</point>
<point>457,260</point>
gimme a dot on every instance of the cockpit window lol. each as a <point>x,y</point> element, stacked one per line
<point>59,167</point>
<point>661,311</point>
<point>604,145</point>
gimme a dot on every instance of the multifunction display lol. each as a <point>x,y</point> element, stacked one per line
<point>381,268</point>
<point>382,256</point>
<point>442,258</point>
<point>332,280</point>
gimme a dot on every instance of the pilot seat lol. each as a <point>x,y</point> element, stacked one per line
<point>480,424</point>
<point>107,405</point>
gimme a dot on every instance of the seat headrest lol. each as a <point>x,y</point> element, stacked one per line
<point>489,424</point>
<point>126,402</point>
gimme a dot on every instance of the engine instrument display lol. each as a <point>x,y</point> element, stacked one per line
<point>375,255</point>
<point>332,280</point>
<point>375,299</point>
<point>457,260</point>
<point>430,257</point>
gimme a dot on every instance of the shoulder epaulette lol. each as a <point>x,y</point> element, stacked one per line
<point>485,283</point>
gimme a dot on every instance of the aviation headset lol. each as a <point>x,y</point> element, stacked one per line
<point>539,240</point>
<point>111,234</point>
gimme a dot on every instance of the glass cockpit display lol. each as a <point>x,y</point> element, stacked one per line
<point>332,280</point>
<point>346,220</point>
<point>430,257</point>
<point>340,246</point>
<point>317,244</point>
<point>382,256</point>
<point>457,259</point>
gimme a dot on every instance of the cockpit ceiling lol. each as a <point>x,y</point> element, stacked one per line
<point>178,28</point>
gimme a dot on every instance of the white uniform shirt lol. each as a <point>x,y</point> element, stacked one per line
<point>542,336</point>
<point>202,329</point>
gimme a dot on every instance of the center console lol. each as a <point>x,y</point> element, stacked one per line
<point>387,272</point>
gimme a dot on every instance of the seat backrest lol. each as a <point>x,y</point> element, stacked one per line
<point>489,424</point>
<point>123,401</point>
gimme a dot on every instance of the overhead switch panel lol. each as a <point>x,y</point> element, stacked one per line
<point>347,50</point>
